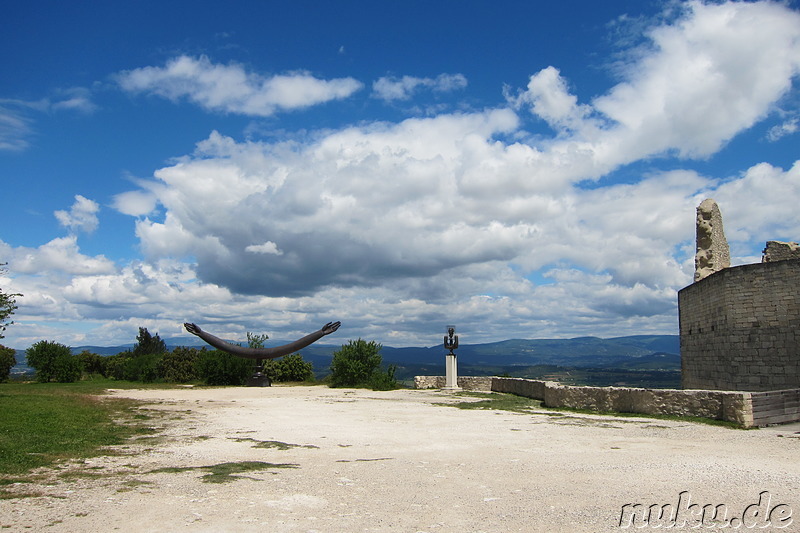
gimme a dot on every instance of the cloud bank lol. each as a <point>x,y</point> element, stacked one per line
<point>468,218</point>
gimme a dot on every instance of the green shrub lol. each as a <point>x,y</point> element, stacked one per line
<point>384,380</point>
<point>7,361</point>
<point>180,365</point>
<point>92,363</point>
<point>221,368</point>
<point>115,365</point>
<point>67,369</point>
<point>53,361</point>
<point>355,364</point>
<point>290,367</point>
<point>143,368</point>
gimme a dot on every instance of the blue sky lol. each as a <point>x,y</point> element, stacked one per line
<point>519,169</point>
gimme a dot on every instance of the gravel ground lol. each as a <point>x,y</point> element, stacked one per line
<point>342,460</point>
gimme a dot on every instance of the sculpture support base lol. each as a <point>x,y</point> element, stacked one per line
<point>259,380</point>
<point>451,373</point>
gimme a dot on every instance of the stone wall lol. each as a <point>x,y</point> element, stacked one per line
<point>780,251</point>
<point>465,382</point>
<point>740,328</point>
<point>747,409</point>
<point>718,405</point>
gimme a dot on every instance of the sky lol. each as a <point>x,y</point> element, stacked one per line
<point>517,169</point>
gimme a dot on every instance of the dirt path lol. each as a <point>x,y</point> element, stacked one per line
<point>362,461</point>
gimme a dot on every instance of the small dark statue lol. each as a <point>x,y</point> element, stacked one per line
<point>262,353</point>
<point>451,340</point>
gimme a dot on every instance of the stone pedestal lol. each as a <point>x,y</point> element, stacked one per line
<point>259,380</point>
<point>451,373</point>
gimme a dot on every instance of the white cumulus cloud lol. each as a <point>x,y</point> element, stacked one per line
<point>403,88</point>
<point>231,89</point>
<point>82,216</point>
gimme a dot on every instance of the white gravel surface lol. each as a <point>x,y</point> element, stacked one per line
<point>399,461</point>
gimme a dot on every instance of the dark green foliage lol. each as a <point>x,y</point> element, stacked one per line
<point>384,380</point>
<point>221,368</point>
<point>92,363</point>
<point>143,368</point>
<point>290,367</point>
<point>115,365</point>
<point>53,361</point>
<point>67,369</point>
<point>357,364</point>
<point>8,304</point>
<point>148,344</point>
<point>256,341</point>
<point>180,365</point>
<point>7,361</point>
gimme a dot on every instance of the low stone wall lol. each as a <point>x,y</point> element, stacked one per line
<point>747,409</point>
<point>465,382</point>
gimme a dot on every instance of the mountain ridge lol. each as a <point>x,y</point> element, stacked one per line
<point>629,351</point>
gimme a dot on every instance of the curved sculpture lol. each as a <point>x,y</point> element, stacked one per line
<point>262,353</point>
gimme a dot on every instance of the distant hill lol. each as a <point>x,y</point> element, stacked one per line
<point>635,353</point>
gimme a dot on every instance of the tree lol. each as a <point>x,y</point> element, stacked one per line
<point>144,367</point>
<point>355,363</point>
<point>8,304</point>
<point>180,365</point>
<point>7,362</point>
<point>53,361</point>
<point>92,363</point>
<point>256,341</point>
<point>221,368</point>
<point>148,344</point>
<point>290,367</point>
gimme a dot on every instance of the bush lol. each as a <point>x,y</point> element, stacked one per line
<point>67,369</point>
<point>53,361</point>
<point>357,364</point>
<point>7,361</point>
<point>289,368</point>
<point>180,365</point>
<point>384,380</point>
<point>92,363</point>
<point>143,368</point>
<point>221,368</point>
<point>115,365</point>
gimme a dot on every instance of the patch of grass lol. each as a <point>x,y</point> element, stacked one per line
<point>226,472</point>
<point>497,401</point>
<point>520,404</point>
<point>132,484</point>
<point>278,445</point>
<point>674,418</point>
<point>45,423</point>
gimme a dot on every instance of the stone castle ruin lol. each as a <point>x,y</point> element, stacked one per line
<point>712,253</point>
<point>740,326</point>
<point>780,251</point>
<point>740,343</point>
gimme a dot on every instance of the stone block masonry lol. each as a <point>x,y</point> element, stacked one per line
<point>463,382</point>
<point>780,251</point>
<point>747,409</point>
<point>740,328</point>
<point>713,253</point>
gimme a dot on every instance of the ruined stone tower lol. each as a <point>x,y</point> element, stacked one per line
<point>740,326</point>
<point>712,253</point>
